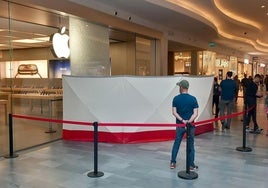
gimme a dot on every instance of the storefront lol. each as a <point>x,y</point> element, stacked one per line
<point>100,45</point>
<point>31,73</point>
<point>211,63</point>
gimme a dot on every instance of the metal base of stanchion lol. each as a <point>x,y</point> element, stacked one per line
<point>187,176</point>
<point>11,156</point>
<point>244,149</point>
<point>50,131</point>
<point>95,174</point>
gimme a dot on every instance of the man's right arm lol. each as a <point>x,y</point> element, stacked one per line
<point>194,116</point>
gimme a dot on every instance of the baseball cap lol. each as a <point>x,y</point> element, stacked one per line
<point>183,84</point>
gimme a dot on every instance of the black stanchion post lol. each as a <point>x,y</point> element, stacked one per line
<point>187,174</point>
<point>244,148</point>
<point>11,150</point>
<point>95,173</point>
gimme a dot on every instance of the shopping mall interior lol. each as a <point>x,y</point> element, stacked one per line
<point>112,40</point>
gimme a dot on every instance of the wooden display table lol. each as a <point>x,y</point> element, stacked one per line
<point>52,98</point>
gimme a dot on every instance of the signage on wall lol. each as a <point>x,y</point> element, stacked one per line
<point>57,68</point>
<point>211,44</point>
<point>60,42</point>
<point>221,63</point>
<point>27,69</point>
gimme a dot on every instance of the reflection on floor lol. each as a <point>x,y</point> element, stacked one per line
<point>65,164</point>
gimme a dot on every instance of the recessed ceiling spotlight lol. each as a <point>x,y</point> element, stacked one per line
<point>262,6</point>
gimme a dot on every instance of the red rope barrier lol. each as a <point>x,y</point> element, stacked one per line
<point>129,124</point>
<point>51,120</point>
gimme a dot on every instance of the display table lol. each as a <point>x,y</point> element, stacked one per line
<point>30,89</point>
<point>52,98</point>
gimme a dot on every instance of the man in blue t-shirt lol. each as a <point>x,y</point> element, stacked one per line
<point>185,109</point>
<point>227,88</point>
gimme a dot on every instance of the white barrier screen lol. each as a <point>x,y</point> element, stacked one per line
<point>129,100</point>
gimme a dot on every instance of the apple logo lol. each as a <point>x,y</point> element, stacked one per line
<point>60,42</point>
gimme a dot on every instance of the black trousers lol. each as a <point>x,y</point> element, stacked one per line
<point>251,104</point>
<point>215,102</point>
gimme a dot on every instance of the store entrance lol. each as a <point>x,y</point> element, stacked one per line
<point>31,74</point>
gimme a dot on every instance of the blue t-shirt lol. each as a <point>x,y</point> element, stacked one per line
<point>185,104</point>
<point>228,88</point>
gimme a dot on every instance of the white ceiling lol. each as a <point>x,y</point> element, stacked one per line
<point>21,31</point>
<point>234,25</point>
<point>237,27</point>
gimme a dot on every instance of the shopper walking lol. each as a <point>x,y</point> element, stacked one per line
<point>185,110</point>
<point>228,89</point>
<point>266,82</point>
<point>216,97</point>
<point>244,83</point>
<point>251,102</point>
<point>237,83</point>
<point>266,111</point>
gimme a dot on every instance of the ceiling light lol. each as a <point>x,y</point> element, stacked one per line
<point>246,61</point>
<point>33,40</point>
<point>262,6</point>
<point>255,53</point>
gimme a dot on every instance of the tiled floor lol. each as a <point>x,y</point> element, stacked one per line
<point>65,164</point>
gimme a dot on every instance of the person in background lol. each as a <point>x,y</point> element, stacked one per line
<point>266,82</point>
<point>185,110</point>
<point>266,111</point>
<point>244,83</point>
<point>251,102</point>
<point>216,97</point>
<point>261,82</point>
<point>228,89</point>
<point>237,83</point>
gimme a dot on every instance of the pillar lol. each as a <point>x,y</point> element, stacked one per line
<point>194,63</point>
<point>89,45</point>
